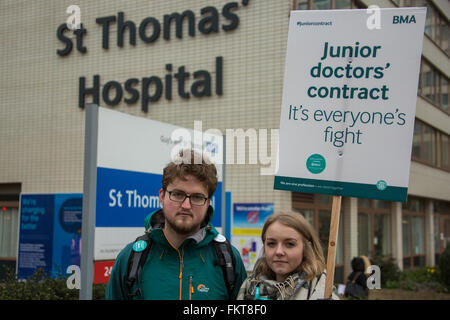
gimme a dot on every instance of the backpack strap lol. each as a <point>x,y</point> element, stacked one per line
<point>138,257</point>
<point>356,276</point>
<point>226,261</point>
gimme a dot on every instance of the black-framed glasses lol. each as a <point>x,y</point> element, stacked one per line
<point>196,199</point>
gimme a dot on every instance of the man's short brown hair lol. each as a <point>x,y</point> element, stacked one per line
<point>188,164</point>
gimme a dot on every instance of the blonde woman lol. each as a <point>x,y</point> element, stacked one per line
<point>292,265</point>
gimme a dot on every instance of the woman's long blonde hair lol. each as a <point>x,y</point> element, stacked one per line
<point>313,262</point>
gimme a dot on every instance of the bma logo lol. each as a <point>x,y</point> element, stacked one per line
<point>404,19</point>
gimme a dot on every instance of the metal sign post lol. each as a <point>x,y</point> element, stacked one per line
<point>224,202</point>
<point>89,202</point>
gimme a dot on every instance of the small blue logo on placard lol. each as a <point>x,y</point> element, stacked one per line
<point>139,246</point>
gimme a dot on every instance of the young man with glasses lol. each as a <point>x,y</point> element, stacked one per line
<point>182,261</point>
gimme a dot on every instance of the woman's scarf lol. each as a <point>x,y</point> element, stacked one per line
<point>274,290</point>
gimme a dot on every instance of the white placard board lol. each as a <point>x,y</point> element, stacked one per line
<point>349,99</point>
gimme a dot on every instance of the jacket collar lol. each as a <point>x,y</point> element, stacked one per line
<point>199,236</point>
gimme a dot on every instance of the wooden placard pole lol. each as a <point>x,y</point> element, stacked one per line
<point>332,243</point>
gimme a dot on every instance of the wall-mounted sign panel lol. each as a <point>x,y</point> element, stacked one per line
<point>131,154</point>
<point>49,233</point>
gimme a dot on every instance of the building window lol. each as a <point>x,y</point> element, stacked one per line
<point>406,239</point>
<point>326,4</point>
<point>436,24</point>
<point>433,86</point>
<point>413,227</point>
<point>316,208</point>
<point>309,216</point>
<point>9,225</point>
<point>444,143</point>
<point>418,238</point>
<point>382,239</point>
<point>436,237</point>
<point>441,227</point>
<point>436,28</point>
<point>317,211</point>
<point>374,227</point>
<point>324,234</point>
<point>430,146</point>
<point>364,234</point>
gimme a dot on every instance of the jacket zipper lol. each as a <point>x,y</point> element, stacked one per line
<point>191,288</point>
<point>180,276</point>
<point>181,271</point>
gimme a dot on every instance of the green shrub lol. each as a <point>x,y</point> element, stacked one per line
<point>37,287</point>
<point>418,279</point>
<point>426,278</point>
<point>444,267</point>
<point>98,291</point>
<point>42,287</point>
<point>390,272</point>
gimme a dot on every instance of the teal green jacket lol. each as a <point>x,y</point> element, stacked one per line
<point>185,273</point>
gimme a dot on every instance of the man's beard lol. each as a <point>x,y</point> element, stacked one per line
<point>181,227</point>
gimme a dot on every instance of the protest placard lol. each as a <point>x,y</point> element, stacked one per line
<point>349,102</point>
<point>348,106</point>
